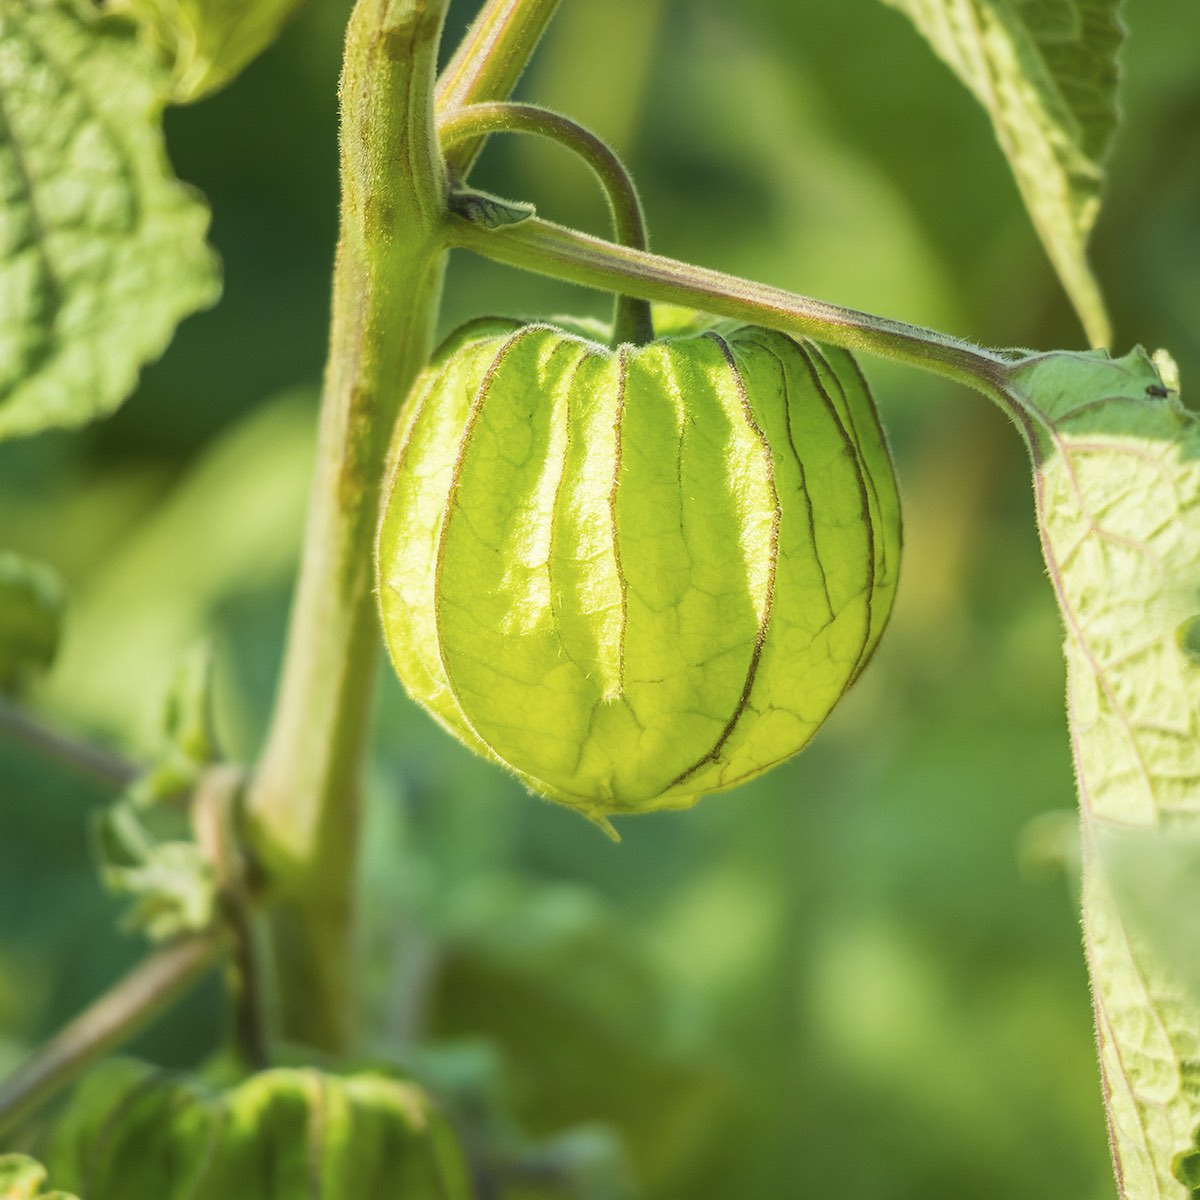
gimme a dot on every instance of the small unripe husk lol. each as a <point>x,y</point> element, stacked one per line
<point>635,576</point>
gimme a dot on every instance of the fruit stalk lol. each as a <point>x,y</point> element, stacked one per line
<point>488,63</point>
<point>631,319</point>
<point>549,249</point>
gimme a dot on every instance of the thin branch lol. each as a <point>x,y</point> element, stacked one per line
<point>632,322</point>
<point>92,762</point>
<point>146,991</point>
<point>549,249</point>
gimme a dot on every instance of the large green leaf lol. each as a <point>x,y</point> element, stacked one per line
<point>1046,71</point>
<point>1117,472</point>
<point>102,250</point>
<point>207,42</point>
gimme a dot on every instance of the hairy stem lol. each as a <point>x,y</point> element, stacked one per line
<point>303,806</point>
<point>488,63</point>
<point>631,321</point>
<point>112,1019</point>
<point>541,246</point>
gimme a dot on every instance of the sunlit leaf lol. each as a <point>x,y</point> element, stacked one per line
<point>102,250</point>
<point>207,42</point>
<point>1117,472</point>
<point>31,610</point>
<point>1155,876</point>
<point>1046,71</point>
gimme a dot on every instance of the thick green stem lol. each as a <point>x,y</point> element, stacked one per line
<point>541,246</point>
<point>488,63</point>
<point>631,321</point>
<point>303,806</point>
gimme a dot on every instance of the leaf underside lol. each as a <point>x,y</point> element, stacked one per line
<point>1117,477</point>
<point>1046,72</point>
<point>207,42</point>
<point>102,250</point>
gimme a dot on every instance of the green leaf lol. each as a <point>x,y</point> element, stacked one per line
<point>172,882</point>
<point>102,250</point>
<point>189,742</point>
<point>1046,72</point>
<point>207,42</point>
<point>31,610</point>
<point>21,1178</point>
<point>1117,474</point>
<point>1155,876</point>
<point>135,1133</point>
<point>492,212</point>
<point>145,840</point>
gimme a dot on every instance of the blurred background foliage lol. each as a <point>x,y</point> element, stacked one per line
<point>857,977</point>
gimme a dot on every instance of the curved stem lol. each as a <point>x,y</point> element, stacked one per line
<point>549,249</point>
<point>487,64</point>
<point>631,320</point>
<point>112,1019</point>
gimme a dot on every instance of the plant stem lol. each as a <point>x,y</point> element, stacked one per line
<point>631,321</point>
<point>488,63</point>
<point>112,1019</point>
<point>217,812</point>
<point>91,762</point>
<point>549,249</point>
<point>303,807</point>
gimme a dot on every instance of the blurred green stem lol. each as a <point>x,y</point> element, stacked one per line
<point>631,321</point>
<point>112,1019</point>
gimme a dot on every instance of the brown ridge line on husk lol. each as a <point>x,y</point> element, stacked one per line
<point>764,622</point>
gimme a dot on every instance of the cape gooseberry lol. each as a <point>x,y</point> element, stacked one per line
<point>635,576</point>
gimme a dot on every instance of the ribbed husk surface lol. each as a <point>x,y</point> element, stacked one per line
<point>135,1132</point>
<point>635,576</point>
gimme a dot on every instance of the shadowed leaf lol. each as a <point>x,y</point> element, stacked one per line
<point>207,42</point>
<point>1046,71</point>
